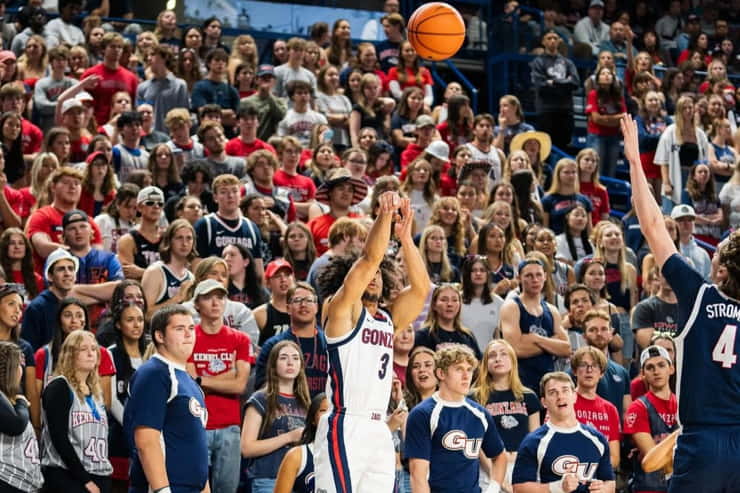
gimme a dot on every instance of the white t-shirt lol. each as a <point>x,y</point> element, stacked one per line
<point>482,320</point>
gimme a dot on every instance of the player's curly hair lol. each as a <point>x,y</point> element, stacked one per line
<point>332,276</point>
<point>729,257</point>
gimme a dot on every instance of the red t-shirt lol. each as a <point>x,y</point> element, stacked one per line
<point>599,413</point>
<point>106,368</point>
<point>111,81</point>
<point>636,418</point>
<point>17,278</point>
<point>78,148</point>
<point>319,227</point>
<point>27,202</point>
<point>599,199</point>
<point>237,147</point>
<point>299,187</point>
<point>444,132</point>
<point>216,354</point>
<point>637,388</point>
<point>411,79</point>
<point>48,220</point>
<point>32,137</point>
<point>87,201</point>
<point>411,152</point>
<point>593,106</point>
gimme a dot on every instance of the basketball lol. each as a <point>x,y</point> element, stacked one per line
<point>436,30</point>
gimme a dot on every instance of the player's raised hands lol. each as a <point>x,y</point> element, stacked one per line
<point>405,223</point>
<point>389,202</point>
<point>631,143</point>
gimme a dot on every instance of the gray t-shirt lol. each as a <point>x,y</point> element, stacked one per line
<point>656,313</point>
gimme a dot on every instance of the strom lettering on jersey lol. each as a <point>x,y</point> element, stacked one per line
<point>457,440</point>
<point>377,337</point>
<point>570,464</point>
<point>723,310</point>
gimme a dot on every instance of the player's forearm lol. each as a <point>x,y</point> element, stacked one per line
<point>378,238</point>
<point>648,211</point>
<point>150,452</point>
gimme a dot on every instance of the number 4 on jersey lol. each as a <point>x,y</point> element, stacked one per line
<point>724,350</point>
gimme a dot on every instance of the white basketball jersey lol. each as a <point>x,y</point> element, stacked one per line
<point>361,367</point>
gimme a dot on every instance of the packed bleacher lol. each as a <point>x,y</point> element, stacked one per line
<point>167,170</point>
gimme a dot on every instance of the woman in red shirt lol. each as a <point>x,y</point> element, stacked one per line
<point>605,107</point>
<point>590,186</point>
<point>410,73</point>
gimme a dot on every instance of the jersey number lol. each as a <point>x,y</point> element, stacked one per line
<point>97,450</point>
<point>724,350</point>
<point>31,451</point>
<point>383,366</point>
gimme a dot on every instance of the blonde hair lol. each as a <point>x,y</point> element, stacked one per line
<point>562,163</point>
<point>625,282</point>
<point>431,320</point>
<point>458,229</point>
<point>483,387</point>
<point>430,187</point>
<point>452,355</point>
<point>590,151</point>
<point>682,102</point>
<point>446,272</point>
<point>66,366</point>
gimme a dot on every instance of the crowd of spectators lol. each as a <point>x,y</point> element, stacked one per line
<point>172,172</point>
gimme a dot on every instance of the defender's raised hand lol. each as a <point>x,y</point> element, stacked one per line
<point>631,143</point>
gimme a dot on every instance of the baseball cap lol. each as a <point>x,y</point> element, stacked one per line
<point>71,104</point>
<point>424,121</point>
<point>681,211</point>
<point>208,286</point>
<point>652,352</point>
<point>439,149</point>
<point>265,69</point>
<point>596,3</point>
<point>275,266</point>
<point>56,256</point>
<point>692,18</point>
<point>84,97</point>
<point>95,155</point>
<point>74,216</point>
<point>149,193</point>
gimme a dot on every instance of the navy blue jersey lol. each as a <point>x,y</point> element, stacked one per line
<point>304,480</point>
<point>450,436</point>
<point>532,369</point>
<point>550,452</point>
<point>172,283</point>
<point>707,376</point>
<point>164,397</point>
<point>213,234</point>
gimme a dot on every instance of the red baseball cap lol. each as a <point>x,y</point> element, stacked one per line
<point>275,266</point>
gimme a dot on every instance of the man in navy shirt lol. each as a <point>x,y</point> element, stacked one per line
<point>38,319</point>
<point>563,454</point>
<point>446,433</point>
<point>165,417</point>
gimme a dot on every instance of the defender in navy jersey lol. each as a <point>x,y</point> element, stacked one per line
<point>354,449</point>
<point>446,433</point>
<point>563,454</point>
<point>707,454</point>
<point>165,416</point>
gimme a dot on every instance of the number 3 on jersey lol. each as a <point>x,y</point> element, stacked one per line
<point>724,350</point>
<point>383,365</point>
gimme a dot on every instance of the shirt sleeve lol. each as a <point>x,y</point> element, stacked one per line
<point>636,419</point>
<point>685,282</point>
<point>418,444</point>
<point>605,472</point>
<point>492,443</point>
<point>663,151</point>
<point>201,237</point>
<point>260,377</point>
<point>614,424</point>
<point>147,403</point>
<point>592,103</point>
<point>244,348</point>
<point>115,271</point>
<point>107,367</point>
<point>31,327</point>
<point>641,316</point>
<point>525,467</point>
<point>532,403</point>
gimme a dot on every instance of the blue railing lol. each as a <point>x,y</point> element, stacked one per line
<point>472,90</point>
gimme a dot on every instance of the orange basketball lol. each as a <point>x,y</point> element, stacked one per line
<point>436,30</point>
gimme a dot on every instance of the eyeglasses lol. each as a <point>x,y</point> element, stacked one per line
<point>586,366</point>
<point>357,161</point>
<point>308,300</point>
<point>153,203</point>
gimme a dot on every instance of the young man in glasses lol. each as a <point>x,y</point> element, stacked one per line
<point>588,365</point>
<point>139,248</point>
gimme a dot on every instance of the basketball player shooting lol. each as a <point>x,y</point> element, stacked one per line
<point>353,448</point>
<point>707,454</point>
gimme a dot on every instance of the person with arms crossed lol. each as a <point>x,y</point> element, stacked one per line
<point>165,417</point>
<point>652,417</point>
<point>706,457</point>
<point>354,450</point>
<point>563,455</point>
<point>448,434</point>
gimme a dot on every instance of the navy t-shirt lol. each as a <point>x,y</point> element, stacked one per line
<point>557,205</point>
<point>441,337</point>
<point>512,416</point>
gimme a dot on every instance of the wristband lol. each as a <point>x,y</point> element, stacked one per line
<point>164,489</point>
<point>556,486</point>
<point>493,487</point>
